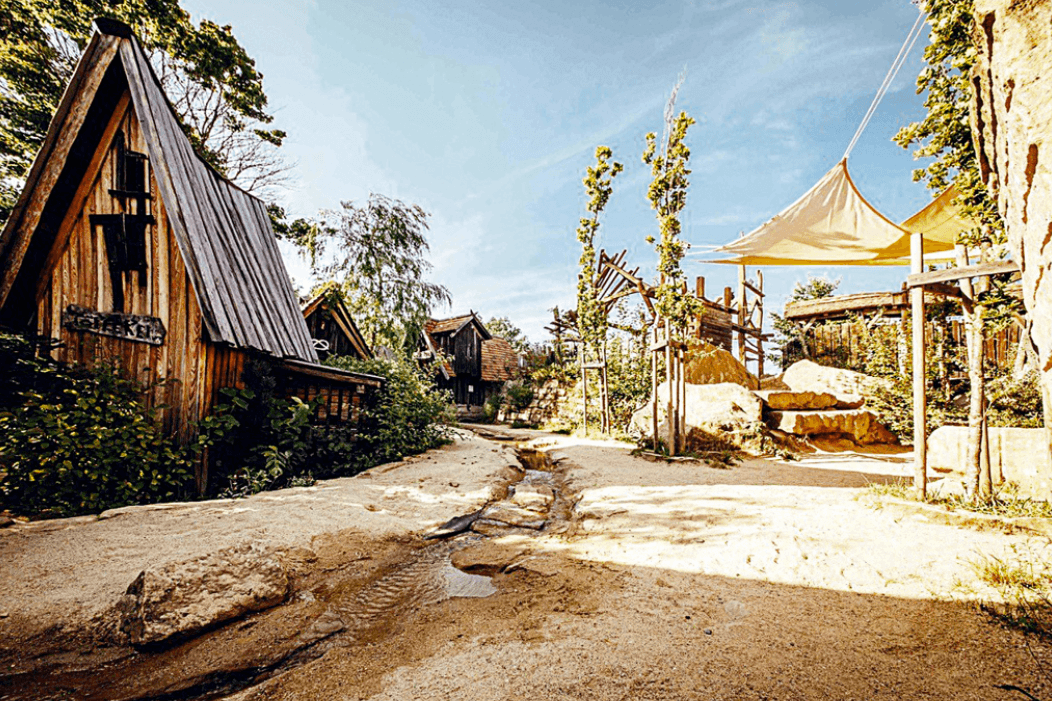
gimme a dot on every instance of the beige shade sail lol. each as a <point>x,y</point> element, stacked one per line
<point>833,224</point>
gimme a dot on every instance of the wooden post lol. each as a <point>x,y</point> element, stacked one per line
<point>920,405</point>
<point>680,358</point>
<point>743,309</point>
<point>654,387</point>
<point>672,414</point>
<point>759,329</point>
<point>584,389</point>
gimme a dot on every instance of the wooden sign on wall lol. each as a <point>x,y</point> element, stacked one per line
<point>130,327</point>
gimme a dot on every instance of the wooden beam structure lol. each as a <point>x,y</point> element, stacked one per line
<point>923,279</point>
<point>920,402</point>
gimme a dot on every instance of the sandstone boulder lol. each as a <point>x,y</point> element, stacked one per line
<point>183,598</point>
<point>860,425</point>
<point>1017,455</point>
<point>727,411</point>
<point>773,382</point>
<point>849,387</point>
<point>787,400</point>
<point>709,365</point>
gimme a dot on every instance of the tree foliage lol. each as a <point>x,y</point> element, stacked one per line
<point>502,327</point>
<point>668,196</point>
<point>209,77</point>
<point>378,252</point>
<point>944,135</point>
<point>598,185</point>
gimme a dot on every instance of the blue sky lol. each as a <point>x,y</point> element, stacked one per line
<point>487,114</point>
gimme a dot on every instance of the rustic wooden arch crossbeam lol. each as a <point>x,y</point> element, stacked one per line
<point>916,282</point>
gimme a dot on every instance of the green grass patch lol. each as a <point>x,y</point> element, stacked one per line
<point>1005,502</point>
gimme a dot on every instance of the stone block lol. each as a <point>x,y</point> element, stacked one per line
<point>860,425</point>
<point>1017,455</point>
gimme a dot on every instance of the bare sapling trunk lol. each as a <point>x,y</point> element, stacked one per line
<point>976,409</point>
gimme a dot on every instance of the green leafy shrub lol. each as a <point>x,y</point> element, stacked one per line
<point>78,441</point>
<point>256,440</point>
<point>518,395</point>
<point>491,407</point>
<point>408,416</point>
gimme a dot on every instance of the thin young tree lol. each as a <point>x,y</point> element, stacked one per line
<point>591,316</point>
<point>945,137</point>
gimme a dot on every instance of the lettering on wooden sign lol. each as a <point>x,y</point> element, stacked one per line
<point>130,327</point>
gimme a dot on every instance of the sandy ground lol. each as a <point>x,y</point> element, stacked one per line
<point>768,580</point>
<point>59,575</point>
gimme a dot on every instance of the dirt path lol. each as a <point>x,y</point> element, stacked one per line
<point>769,580</point>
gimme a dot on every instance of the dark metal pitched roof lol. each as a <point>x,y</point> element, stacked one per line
<point>223,233</point>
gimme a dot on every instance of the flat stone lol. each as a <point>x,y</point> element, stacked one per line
<point>861,425</point>
<point>514,516</point>
<point>787,400</point>
<point>496,528</point>
<point>486,558</point>
<point>183,598</point>
<point>535,497</point>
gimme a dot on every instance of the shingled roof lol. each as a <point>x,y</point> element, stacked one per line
<point>499,360</point>
<point>223,233</point>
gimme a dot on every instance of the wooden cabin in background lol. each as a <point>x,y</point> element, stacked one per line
<point>474,364</point>
<point>126,248</point>
<point>332,328</point>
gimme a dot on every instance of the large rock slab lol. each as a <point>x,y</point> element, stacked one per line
<point>709,365</point>
<point>180,599</point>
<point>861,425</point>
<point>1017,455</point>
<point>787,400</point>
<point>1012,132</point>
<point>728,411</point>
<point>849,387</point>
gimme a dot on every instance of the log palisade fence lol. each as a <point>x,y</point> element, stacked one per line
<point>836,328</point>
<point>126,248</point>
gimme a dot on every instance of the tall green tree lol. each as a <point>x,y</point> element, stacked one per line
<point>378,252</point>
<point>598,185</point>
<point>944,136</point>
<point>209,77</point>
<point>668,196</point>
<point>502,327</point>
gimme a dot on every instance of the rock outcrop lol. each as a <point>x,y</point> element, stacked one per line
<point>859,425</point>
<point>1012,130</point>
<point>709,365</point>
<point>787,400</point>
<point>849,387</point>
<point>544,406</point>
<point>180,599</point>
<point>726,413</point>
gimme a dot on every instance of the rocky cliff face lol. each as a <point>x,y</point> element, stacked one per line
<point>1012,124</point>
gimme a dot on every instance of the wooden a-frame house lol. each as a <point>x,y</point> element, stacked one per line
<point>125,247</point>
<point>332,327</point>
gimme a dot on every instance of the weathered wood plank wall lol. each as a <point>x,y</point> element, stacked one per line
<point>80,276</point>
